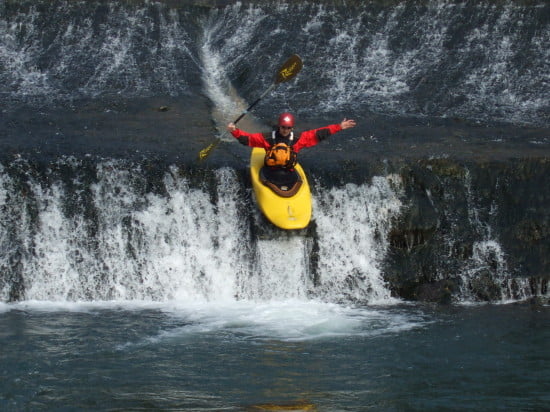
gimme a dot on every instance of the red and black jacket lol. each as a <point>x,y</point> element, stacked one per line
<point>305,139</point>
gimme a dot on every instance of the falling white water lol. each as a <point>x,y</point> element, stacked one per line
<point>187,245</point>
<point>394,57</point>
<point>117,59</point>
<point>218,87</point>
<point>6,186</point>
<point>147,247</point>
<point>281,269</point>
<point>353,224</point>
<point>183,247</point>
<point>227,104</point>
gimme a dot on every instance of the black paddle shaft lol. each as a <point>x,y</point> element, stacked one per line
<point>243,114</point>
<point>288,71</point>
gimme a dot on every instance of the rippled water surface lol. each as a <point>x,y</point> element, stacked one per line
<point>299,354</point>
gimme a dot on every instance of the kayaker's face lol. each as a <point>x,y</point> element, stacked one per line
<point>285,130</point>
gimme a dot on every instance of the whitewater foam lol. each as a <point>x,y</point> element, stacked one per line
<point>286,320</point>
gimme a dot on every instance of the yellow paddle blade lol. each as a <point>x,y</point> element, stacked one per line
<point>289,69</point>
<point>203,154</point>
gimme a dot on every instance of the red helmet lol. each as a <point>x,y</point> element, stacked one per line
<point>286,119</point>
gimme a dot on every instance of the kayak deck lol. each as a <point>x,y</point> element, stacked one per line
<point>292,212</point>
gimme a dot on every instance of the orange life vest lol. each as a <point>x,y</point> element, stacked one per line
<point>280,154</point>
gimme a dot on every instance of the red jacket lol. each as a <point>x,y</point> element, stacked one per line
<point>305,139</point>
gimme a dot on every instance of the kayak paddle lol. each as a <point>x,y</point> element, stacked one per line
<point>288,71</point>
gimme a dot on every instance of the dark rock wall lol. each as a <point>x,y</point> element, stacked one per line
<point>494,213</point>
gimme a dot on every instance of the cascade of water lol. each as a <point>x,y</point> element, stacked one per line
<point>440,58</point>
<point>178,241</point>
<point>109,238</point>
<point>126,244</point>
<point>281,269</point>
<point>91,50</point>
<point>353,223</point>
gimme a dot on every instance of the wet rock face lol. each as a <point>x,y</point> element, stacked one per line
<point>525,217</point>
<point>471,229</point>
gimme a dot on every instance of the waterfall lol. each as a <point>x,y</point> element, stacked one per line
<point>480,61</point>
<point>81,232</point>
<point>85,85</point>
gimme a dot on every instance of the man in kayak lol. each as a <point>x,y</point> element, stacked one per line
<point>283,134</point>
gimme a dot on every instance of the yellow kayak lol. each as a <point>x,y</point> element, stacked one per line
<point>287,206</point>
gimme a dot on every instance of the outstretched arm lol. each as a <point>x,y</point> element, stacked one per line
<point>312,137</point>
<point>248,139</point>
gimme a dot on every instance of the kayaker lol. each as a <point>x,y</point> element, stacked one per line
<point>284,133</point>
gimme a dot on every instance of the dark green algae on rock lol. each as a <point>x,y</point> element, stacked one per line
<point>451,207</point>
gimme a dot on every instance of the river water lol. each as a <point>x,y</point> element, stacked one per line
<point>286,355</point>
